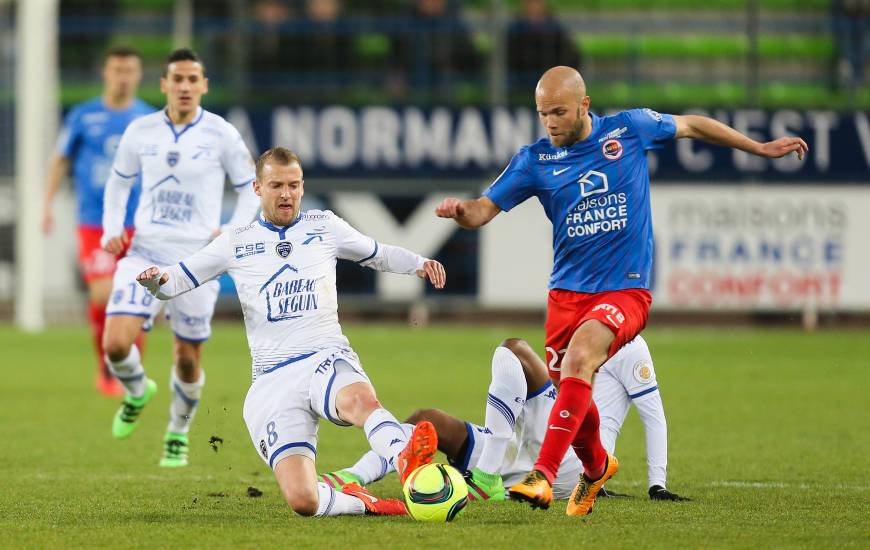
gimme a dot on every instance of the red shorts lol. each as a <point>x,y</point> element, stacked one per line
<point>95,262</point>
<point>622,311</point>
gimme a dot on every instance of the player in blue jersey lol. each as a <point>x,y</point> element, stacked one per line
<point>591,176</point>
<point>86,145</point>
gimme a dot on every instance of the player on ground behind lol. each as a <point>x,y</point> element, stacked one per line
<point>591,176</point>
<point>87,144</point>
<point>519,399</point>
<point>304,369</point>
<point>183,155</point>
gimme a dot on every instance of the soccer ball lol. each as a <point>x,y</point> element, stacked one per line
<point>435,492</point>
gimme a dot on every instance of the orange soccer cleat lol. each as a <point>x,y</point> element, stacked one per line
<point>534,489</point>
<point>583,496</point>
<point>375,506</point>
<point>419,451</point>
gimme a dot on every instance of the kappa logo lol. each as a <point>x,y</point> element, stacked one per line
<point>593,183</point>
<point>612,149</point>
<point>172,158</point>
<point>284,249</point>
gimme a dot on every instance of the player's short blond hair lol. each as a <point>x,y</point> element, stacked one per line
<point>277,155</point>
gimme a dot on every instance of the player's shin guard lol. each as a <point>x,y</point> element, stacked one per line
<point>385,434</point>
<point>504,401</point>
<point>336,503</point>
<point>130,372</point>
<point>185,398</point>
<point>568,412</point>
<point>587,444</point>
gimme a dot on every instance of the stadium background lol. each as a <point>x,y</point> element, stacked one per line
<point>396,103</point>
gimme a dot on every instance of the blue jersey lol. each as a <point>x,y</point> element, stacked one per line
<point>596,194</point>
<point>90,136</point>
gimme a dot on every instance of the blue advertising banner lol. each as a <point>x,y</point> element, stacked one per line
<point>409,142</point>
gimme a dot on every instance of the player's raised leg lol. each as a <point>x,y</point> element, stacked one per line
<point>357,404</point>
<point>125,363</point>
<point>587,350</point>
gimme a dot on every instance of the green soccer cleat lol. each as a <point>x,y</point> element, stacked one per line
<point>339,479</point>
<point>484,486</point>
<point>131,407</point>
<point>174,450</point>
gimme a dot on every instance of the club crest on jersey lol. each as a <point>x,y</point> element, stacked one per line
<point>172,158</point>
<point>612,149</point>
<point>642,371</point>
<point>284,249</point>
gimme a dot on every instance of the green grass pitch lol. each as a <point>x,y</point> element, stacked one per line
<point>769,434</point>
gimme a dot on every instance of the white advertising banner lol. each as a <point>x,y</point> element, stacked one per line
<point>761,248</point>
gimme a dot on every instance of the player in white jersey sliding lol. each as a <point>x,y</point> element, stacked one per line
<point>304,369</point>
<point>520,397</point>
<point>184,155</point>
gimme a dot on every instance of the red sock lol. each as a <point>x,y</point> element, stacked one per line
<point>97,318</point>
<point>570,407</point>
<point>587,444</point>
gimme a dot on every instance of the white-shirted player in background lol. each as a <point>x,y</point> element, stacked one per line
<point>304,369</point>
<point>518,403</point>
<point>184,155</point>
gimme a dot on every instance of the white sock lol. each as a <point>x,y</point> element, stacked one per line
<point>336,503</point>
<point>371,467</point>
<point>185,398</point>
<point>385,434</point>
<point>507,394</point>
<point>130,372</point>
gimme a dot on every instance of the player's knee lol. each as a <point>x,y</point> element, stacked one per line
<point>422,414</point>
<point>303,503</point>
<point>517,346</point>
<point>582,361</point>
<point>117,349</point>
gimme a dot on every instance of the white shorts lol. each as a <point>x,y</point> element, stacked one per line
<point>283,407</point>
<point>189,314</point>
<point>525,444</point>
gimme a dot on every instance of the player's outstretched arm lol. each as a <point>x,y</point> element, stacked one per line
<point>713,131</point>
<point>469,214</point>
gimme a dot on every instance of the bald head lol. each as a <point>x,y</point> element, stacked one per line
<point>561,81</point>
<point>563,106</point>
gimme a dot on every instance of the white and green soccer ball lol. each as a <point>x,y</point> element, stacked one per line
<point>435,492</point>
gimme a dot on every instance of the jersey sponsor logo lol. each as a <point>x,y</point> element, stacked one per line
<point>593,182</point>
<point>562,171</point>
<point>643,372</point>
<point>240,230</point>
<point>172,158</point>
<point>288,297</point>
<point>598,214</point>
<point>613,134</point>
<point>553,156</point>
<point>283,249</point>
<point>193,320</point>
<point>249,249</point>
<point>612,149</point>
<point>653,114</point>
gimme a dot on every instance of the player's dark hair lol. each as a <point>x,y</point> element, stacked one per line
<point>121,51</point>
<point>183,54</point>
<point>277,155</point>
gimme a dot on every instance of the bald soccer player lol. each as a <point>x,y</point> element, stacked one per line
<point>591,176</point>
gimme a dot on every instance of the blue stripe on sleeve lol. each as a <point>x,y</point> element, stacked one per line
<point>189,274</point>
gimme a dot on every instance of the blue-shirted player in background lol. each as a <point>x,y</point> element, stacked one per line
<point>87,143</point>
<point>592,178</point>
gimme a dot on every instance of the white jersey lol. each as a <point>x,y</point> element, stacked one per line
<point>285,278</point>
<point>183,171</point>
